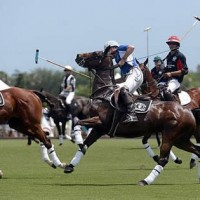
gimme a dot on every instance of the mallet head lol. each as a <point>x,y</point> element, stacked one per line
<point>36,56</point>
<point>197,18</point>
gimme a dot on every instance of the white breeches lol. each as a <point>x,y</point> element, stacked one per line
<point>173,84</point>
<point>134,80</point>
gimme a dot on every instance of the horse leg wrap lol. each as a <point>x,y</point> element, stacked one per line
<point>172,155</point>
<point>76,159</point>
<point>61,139</point>
<point>54,157</point>
<point>149,150</point>
<point>44,154</point>
<point>154,174</point>
<point>76,135</point>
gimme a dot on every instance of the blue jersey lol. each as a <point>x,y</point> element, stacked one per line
<point>130,61</point>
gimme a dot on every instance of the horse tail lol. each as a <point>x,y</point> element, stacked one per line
<point>43,98</point>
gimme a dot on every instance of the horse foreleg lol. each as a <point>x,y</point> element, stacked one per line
<point>91,138</point>
<point>53,156</point>
<point>60,135</point>
<point>45,156</point>
<point>68,130</point>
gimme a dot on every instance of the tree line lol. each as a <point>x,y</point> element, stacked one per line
<point>50,81</point>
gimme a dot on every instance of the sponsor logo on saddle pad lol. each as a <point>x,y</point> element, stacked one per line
<point>142,106</point>
<point>1,100</point>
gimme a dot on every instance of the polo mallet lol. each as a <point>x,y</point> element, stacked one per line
<point>37,57</point>
<point>185,34</point>
<point>191,28</point>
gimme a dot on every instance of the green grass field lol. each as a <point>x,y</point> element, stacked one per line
<point>109,171</point>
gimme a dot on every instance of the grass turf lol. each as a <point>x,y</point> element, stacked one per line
<point>110,170</point>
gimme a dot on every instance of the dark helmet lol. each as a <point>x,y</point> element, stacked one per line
<point>157,58</point>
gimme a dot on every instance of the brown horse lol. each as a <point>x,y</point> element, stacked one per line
<point>22,110</point>
<point>150,87</point>
<point>174,122</point>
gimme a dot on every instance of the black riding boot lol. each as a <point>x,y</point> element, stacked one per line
<point>130,107</point>
<point>130,115</point>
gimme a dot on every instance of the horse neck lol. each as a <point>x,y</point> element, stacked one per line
<point>53,99</point>
<point>102,78</point>
<point>151,86</point>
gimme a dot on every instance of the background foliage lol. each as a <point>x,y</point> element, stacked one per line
<point>50,80</point>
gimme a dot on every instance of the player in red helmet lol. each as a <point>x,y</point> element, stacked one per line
<point>176,66</point>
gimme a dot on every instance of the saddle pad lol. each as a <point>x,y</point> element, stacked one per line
<point>184,98</point>
<point>142,106</point>
<point>1,100</point>
<point>3,86</point>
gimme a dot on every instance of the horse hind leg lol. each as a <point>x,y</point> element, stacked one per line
<point>163,160</point>
<point>194,157</point>
<point>148,148</point>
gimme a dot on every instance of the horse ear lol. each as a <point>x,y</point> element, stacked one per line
<point>146,61</point>
<point>137,61</point>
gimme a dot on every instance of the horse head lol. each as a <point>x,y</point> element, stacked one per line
<point>94,60</point>
<point>100,65</point>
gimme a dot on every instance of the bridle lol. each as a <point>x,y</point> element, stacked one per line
<point>99,58</point>
<point>149,84</point>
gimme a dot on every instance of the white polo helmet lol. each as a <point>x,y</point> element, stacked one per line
<point>110,43</point>
<point>68,68</point>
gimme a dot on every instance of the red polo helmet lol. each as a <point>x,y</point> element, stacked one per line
<point>173,38</point>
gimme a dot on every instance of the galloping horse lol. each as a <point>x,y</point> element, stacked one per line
<point>174,122</point>
<point>22,110</point>
<point>149,87</point>
<point>79,109</point>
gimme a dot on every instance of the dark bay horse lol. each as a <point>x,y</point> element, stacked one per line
<point>174,122</point>
<point>150,87</point>
<point>22,110</point>
<point>79,109</point>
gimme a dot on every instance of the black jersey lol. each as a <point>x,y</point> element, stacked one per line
<point>176,62</point>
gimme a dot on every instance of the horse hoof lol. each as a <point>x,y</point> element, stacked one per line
<point>69,169</point>
<point>178,161</point>
<point>62,165</point>
<point>192,165</point>
<point>53,166</point>
<point>142,183</point>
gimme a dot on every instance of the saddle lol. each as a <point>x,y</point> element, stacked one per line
<point>183,96</point>
<point>141,103</point>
